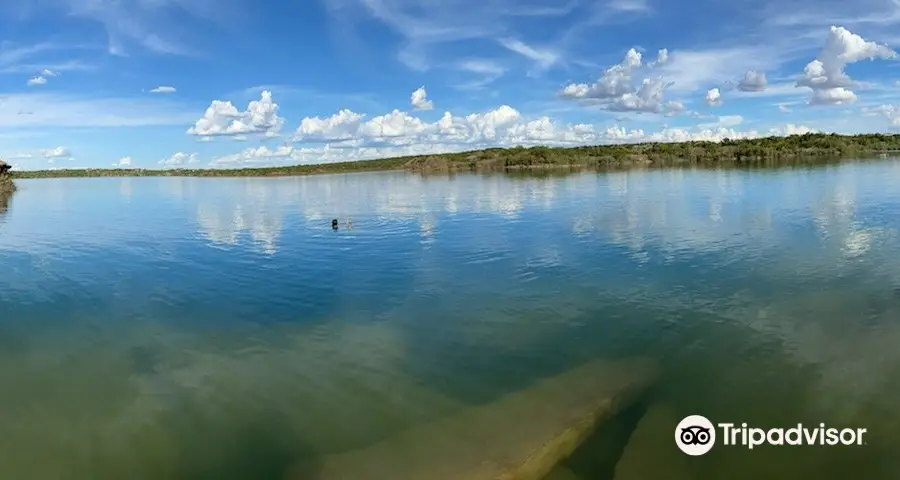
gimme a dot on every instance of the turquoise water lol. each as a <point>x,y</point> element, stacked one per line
<point>218,328</point>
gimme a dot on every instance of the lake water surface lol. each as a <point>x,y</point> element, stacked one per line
<point>213,328</point>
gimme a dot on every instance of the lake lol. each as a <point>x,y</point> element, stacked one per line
<point>218,328</point>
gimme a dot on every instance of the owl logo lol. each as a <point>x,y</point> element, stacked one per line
<point>695,435</point>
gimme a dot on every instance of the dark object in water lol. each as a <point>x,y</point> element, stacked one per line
<point>334,224</point>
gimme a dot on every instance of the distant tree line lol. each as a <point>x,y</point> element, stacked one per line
<point>767,151</point>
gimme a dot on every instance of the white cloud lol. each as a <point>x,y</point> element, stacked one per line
<point>791,129</point>
<point>419,100</point>
<point>343,125</point>
<point>38,80</point>
<point>615,82</point>
<point>348,135</point>
<point>123,162</point>
<point>223,119</point>
<point>49,73</point>
<point>502,126</point>
<point>179,159</point>
<point>662,57</point>
<point>713,97</point>
<point>672,135</point>
<point>543,58</point>
<point>783,108</point>
<point>825,75</point>
<point>615,91</point>
<point>890,112</point>
<point>753,81</point>
<point>163,89</point>
<point>58,152</point>
<point>260,154</point>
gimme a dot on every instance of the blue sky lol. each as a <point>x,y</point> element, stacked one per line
<point>232,83</point>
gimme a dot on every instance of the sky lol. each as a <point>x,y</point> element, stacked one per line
<point>234,83</point>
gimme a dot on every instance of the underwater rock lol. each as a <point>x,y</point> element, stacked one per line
<point>651,452</point>
<point>561,473</point>
<point>521,436</point>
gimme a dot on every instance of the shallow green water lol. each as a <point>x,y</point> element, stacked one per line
<point>218,328</point>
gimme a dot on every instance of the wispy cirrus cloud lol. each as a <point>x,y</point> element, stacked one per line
<point>39,58</point>
<point>488,71</point>
<point>57,110</point>
<point>543,58</point>
<point>133,23</point>
<point>424,29</point>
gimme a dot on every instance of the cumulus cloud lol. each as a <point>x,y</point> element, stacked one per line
<point>260,154</point>
<point>41,78</point>
<point>502,126</point>
<point>419,100</point>
<point>713,97</point>
<point>753,81</point>
<point>791,129</point>
<point>825,75</point>
<point>615,82</point>
<point>58,152</point>
<point>179,159</point>
<point>222,118</point>
<point>662,57</point>
<point>123,162</point>
<point>349,136</point>
<point>615,90</point>
<point>163,89</point>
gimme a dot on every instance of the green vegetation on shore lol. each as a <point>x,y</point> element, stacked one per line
<point>768,151</point>
<point>7,185</point>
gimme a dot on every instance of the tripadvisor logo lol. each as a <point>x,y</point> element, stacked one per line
<point>695,435</point>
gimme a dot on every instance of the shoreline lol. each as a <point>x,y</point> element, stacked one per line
<point>767,152</point>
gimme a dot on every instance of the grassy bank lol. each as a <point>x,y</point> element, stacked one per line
<point>770,151</point>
